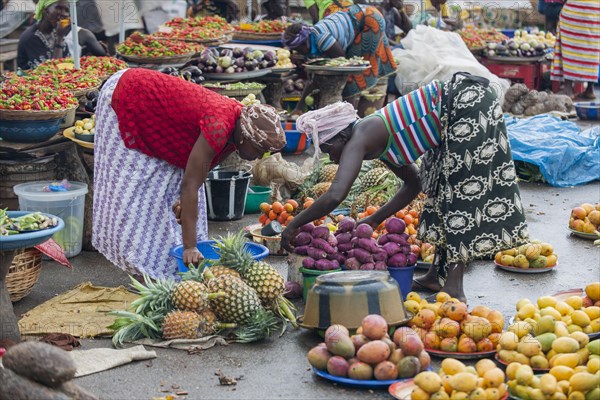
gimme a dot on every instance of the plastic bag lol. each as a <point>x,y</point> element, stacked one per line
<point>565,155</point>
<point>280,175</point>
<point>431,54</point>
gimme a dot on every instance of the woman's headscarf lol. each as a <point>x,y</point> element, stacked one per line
<point>41,6</point>
<point>324,124</point>
<point>261,125</point>
<point>291,42</point>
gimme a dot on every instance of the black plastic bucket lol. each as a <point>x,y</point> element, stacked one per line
<point>226,193</point>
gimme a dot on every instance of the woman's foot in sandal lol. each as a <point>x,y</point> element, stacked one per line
<point>428,282</point>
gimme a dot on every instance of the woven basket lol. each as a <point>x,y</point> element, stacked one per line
<point>178,59</point>
<point>24,273</point>
<point>85,91</point>
<point>256,36</point>
<point>32,115</point>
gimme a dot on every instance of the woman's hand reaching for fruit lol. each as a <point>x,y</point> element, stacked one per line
<point>192,256</point>
<point>286,238</point>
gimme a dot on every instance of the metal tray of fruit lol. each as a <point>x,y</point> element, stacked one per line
<point>176,59</point>
<point>525,270</point>
<point>356,383</point>
<point>461,356</point>
<point>323,69</point>
<point>503,364</point>
<point>238,76</point>
<point>591,236</point>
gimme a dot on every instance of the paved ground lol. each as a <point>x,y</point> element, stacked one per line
<point>277,369</point>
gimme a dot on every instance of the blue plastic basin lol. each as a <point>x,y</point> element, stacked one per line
<point>296,142</point>
<point>258,252</point>
<point>588,110</point>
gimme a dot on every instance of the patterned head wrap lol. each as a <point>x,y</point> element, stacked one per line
<point>324,124</point>
<point>261,125</point>
<point>301,37</point>
<point>41,6</point>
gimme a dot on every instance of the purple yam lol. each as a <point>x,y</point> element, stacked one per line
<point>391,248</point>
<point>320,232</point>
<point>363,256</point>
<point>347,224</point>
<point>332,240</point>
<point>308,228</point>
<point>325,265</point>
<point>308,263</point>
<point>334,265</point>
<point>397,260</point>
<point>302,239</point>
<point>368,244</point>
<point>367,267</point>
<point>352,264</point>
<point>316,253</point>
<point>380,256</point>
<point>411,259</point>
<point>350,253</point>
<point>354,241</point>
<point>293,290</point>
<point>405,249</point>
<point>322,244</point>
<point>340,258</point>
<point>364,231</point>
<point>395,225</point>
<point>394,237</point>
<point>380,266</point>
<point>344,247</point>
<point>345,237</point>
<point>383,239</point>
<point>301,250</point>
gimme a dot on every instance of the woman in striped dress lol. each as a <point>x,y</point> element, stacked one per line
<point>357,31</point>
<point>473,209</point>
<point>577,49</point>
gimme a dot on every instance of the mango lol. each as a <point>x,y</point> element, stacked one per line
<point>550,311</point>
<point>508,356</point>
<point>509,340</point>
<point>492,394</point>
<point>464,382</point>
<point>580,318</point>
<point>563,308</point>
<point>360,371</point>
<point>478,393</point>
<point>594,347</point>
<point>456,395</point>
<point>564,386</point>
<point>441,395</point>
<point>318,357</point>
<point>594,326</point>
<point>546,249</point>
<point>527,311</point>
<point>539,362</point>
<point>511,252</point>
<point>558,396</point>
<point>575,301</point>
<point>522,359</point>
<point>524,375</point>
<point>545,324</point>
<point>546,340</point>
<point>593,365</point>
<point>374,352</point>
<point>551,260</point>
<point>548,384</point>
<point>546,301</point>
<point>419,394</point>
<point>530,347</point>
<point>568,360</point>
<point>576,395</point>
<point>521,261</point>
<point>593,291</point>
<point>561,329</point>
<point>408,367</point>
<point>584,381</point>
<point>520,329</point>
<point>507,260</point>
<point>584,355</point>
<point>536,394</point>
<point>593,312</point>
<point>581,338</point>
<point>522,302</point>
<point>538,262</point>
<point>574,328</point>
<point>562,372</point>
<point>565,345</point>
<point>429,381</point>
<point>593,394</point>
<point>340,345</point>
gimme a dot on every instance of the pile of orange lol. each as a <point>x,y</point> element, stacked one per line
<point>284,212</point>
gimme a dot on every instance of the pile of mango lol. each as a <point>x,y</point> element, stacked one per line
<point>448,325</point>
<point>531,255</point>
<point>457,381</point>
<point>561,383</point>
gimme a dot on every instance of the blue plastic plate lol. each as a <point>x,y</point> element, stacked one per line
<point>30,239</point>
<point>370,384</point>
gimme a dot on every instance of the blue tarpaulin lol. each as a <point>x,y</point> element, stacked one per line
<point>565,154</point>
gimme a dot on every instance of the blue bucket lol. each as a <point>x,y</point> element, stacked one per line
<point>296,142</point>
<point>258,252</point>
<point>29,131</point>
<point>404,277</point>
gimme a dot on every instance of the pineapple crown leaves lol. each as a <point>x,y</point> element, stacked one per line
<point>155,296</point>
<point>232,249</point>
<point>261,326</point>
<point>130,326</point>
<point>194,273</point>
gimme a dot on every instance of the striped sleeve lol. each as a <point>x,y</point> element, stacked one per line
<point>336,27</point>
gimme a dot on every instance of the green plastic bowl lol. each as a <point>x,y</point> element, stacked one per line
<point>256,196</point>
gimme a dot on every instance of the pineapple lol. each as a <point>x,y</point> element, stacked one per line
<point>327,173</point>
<point>155,297</point>
<point>380,164</point>
<point>374,177</point>
<point>240,302</point>
<point>191,296</point>
<point>219,270</point>
<point>319,189</point>
<point>366,199</point>
<point>181,325</point>
<point>209,324</point>
<point>266,280</point>
<point>130,326</point>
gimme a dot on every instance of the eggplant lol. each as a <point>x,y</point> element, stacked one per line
<point>238,52</point>
<point>187,75</point>
<point>226,53</point>
<point>270,55</point>
<point>239,69</point>
<point>92,95</point>
<point>264,64</point>
<point>90,107</point>
<point>239,62</point>
<point>167,70</point>
<point>258,55</point>
<point>195,71</point>
<point>219,69</point>
<point>271,63</point>
<point>198,79</point>
<point>225,62</point>
<point>214,52</point>
<point>210,68</point>
<point>250,65</point>
<point>230,70</point>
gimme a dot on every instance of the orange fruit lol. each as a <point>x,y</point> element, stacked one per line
<point>277,207</point>
<point>293,202</point>
<point>262,219</point>
<point>272,215</point>
<point>288,220</point>
<point>284,214</point>
<point>281,219</point>
<point>375,235</point>
<point>371,210</point>
<point>265,207</point>
<point>308,203</point>
<point>360,215</point>
<point>414,213</point>
<point>408,219</point>
<point>412,230</point>
<point>288,207</point>
<point>400,214</point>
<point>267,221</point>
<point>415,221</point>
<point>309,199</point>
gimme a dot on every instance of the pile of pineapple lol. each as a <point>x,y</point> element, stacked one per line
<point>234,293</point>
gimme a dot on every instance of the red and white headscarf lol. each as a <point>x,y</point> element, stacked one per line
<point>324,124</point>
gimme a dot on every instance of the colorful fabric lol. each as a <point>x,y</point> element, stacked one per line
<point>577,48</point>
<point>477,210</point>
<point>133,225</point>
<point>338,27</point>
<point>327,7</point>
<point>324,124</point>
<point>413,123</point>
<point>40,7</point>
<point>162,116</point>
<point>336,6</point>
<point>261,125</point>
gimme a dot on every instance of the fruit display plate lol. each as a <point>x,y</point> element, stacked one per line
<point>368,384</point>
<point>525,270</point>
<point>238,76</point>
<point>565,294</point>
<point>69,134</point>
<point>324,70</point>
<point>461,356</point>
<point>29,239</point>
<point>504,364</point>
<point>590,236</point>
<point>403,390</point>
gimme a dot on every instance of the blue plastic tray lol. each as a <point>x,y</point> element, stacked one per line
<point>30,239</point>
<point>258,252</point>
<point>370,384</point>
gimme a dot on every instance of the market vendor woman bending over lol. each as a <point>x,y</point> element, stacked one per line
<point>157,138</point>
<point>473,209</point>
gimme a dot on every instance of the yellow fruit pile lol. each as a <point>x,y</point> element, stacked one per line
<point>585,218</point>
<point>86,126</point>
<point>531,255</point>
<point>456,381</point>
<point>561,383</point>
<point>447,325</point>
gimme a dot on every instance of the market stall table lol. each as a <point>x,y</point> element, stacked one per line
<point>274,82</point>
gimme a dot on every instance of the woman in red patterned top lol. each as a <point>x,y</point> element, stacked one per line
<point>157,138</point>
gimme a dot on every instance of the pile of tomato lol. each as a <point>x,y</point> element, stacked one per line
<point>264,26</point>
<point>147,46</point>
<point>189,33</point>
<point>214,23</point>
<point>24,95</point>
